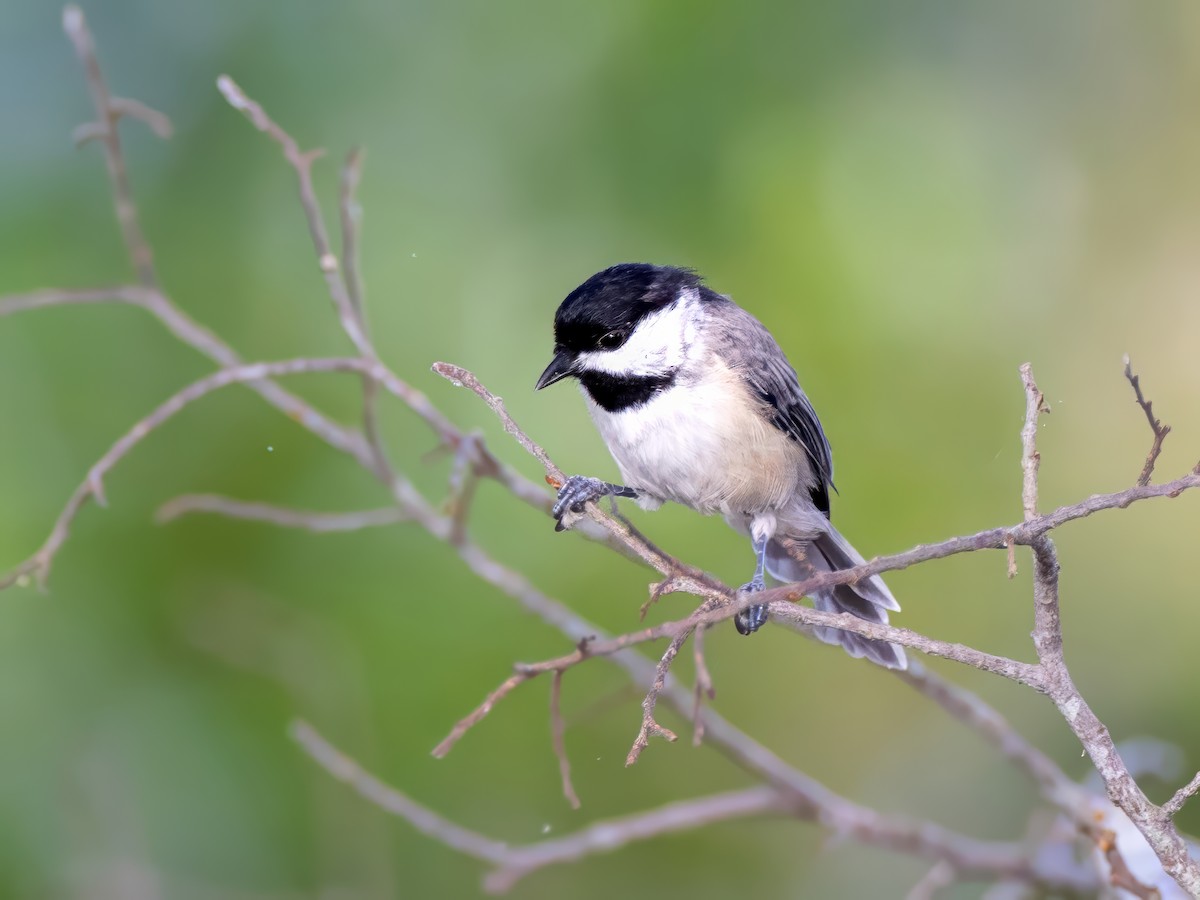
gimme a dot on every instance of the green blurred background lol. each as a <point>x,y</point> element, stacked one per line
<point>915,198</point>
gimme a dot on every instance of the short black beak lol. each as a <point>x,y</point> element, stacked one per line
<point>560,367</point>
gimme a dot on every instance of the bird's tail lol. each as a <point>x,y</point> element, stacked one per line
<point>791,559</point>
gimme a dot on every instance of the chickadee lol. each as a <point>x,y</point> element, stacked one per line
<point>698,405</point>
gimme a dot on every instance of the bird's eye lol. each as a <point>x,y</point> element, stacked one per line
<point>612,340</point>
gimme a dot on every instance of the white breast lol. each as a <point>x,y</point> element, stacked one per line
<point>702,443</point>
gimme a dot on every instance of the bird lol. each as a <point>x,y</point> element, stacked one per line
<point>699,406</point>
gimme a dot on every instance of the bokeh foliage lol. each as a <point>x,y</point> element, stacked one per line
<point>915,198</point>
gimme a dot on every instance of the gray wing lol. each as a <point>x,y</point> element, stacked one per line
<point>755,355</point>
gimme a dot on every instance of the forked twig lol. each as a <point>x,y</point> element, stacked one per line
<point>109,111</point>
<point>92,487</point>
<point>1160,430</point>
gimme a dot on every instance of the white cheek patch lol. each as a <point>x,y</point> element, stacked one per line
<point>660,343</point>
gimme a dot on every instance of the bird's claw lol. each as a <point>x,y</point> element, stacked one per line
<point>752,618</point>
<point>574,495</point>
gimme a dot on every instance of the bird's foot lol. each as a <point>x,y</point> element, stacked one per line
<point>752,618</point>
<point>578,491</point>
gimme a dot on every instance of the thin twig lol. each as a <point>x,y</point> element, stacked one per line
<point>425,820</point>
<point>941,875</point>
<point>136,109</point>
<point>711,612</point>
<point>460,377</point>
<point>558,741</point>
<point>1035,404</point>
<point>469,721</point>
<point>1015,670</point>
<point>971,710</point>
<point>1023,534</point>
<point>703,687</point>
<point>463,481</point>
<point>187,330</point>
<point>1182,796</point>
<point>351,222</point>
<point>1160,430</point>
<point>381,463</point>
<point>351,219</point>
<point>650,728</point>
<point>307,520</point>
<point>104,130</point>
<point>625,536</point>
<point>604,837</point>
<point>301,162</point>
<point>133,294</point>
<point>92,486</point>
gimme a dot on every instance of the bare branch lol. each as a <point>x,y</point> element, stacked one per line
<point>1183,795</point>
<point>966,855</point>
<point>650,727</point>
<point>696,582</point>
<point>109,110</point>
<point>133,294</point>
<point>136,109</point>
<point>381,463</point>
<point>469,721</point>
<point>1020,672</point>
<point>190,332</point>
<point>972,711</point>
<point>604,837</point>
<point>38,565</point>
<point>712,612</point>
<point>1023,534</point>
<point>301,162</point>
<point>704,685</point>
<point>1124,792</point>
<point>926,839</point>
<point>556,738</point>
<point>348,301</point>
<point>1160,430</point>
<point>1030,532</point>
<point>425,820</point>
<point>786,789</point>
<point>351,218</point>
<point>351,221</point>
<point>317,522</point>
<point>463,481</point>
<point>460,377</point>
<point>840,815</point>
<point>1035,404</point>
<point>942,875</point>
<point>104,129</point>
<point>625,536</point>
